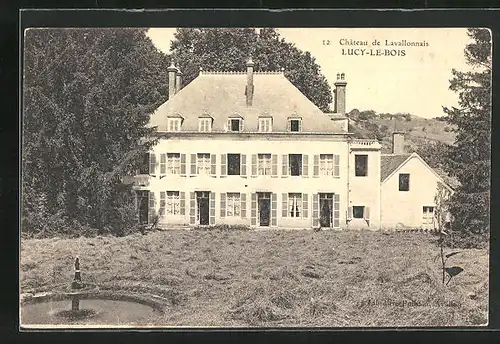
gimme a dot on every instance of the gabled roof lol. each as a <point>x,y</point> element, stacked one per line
<point>391,163</point>
<point>222,95</point>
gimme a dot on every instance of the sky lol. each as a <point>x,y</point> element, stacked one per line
<point>415,81</point>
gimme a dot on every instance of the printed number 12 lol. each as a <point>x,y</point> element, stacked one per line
<point>326,42</point>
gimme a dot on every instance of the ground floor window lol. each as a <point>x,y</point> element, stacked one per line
<point>358,212</point>
<point>233,204</point>
<point>427,216</point>
<point>295,204</point>
<point>170,203</point>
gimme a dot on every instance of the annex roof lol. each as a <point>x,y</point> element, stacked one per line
<point>390,163</point>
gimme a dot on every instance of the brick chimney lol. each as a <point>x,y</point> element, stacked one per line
<point>249,87</point>
<point>178,81</point>
<point>172,71</point>
<point>340,86</point>
<point>398,142</point>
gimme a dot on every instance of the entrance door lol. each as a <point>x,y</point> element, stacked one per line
<point>264,200</point>
<point>326,210</point>
<point>202,209</point>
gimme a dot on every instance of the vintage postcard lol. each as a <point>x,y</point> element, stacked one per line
<point>255,177</point>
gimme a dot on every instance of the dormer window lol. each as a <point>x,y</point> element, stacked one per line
<point>265,124</point>
<point>174,124</point>
<point>235,124</point>
<point>205,124</point>
<point>295,124</point>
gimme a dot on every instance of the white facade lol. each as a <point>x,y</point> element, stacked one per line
<point>324,173</point>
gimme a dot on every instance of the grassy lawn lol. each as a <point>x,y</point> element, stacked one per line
<point>274,278</point>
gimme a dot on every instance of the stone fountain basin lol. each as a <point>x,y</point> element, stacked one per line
<point>109,307</point>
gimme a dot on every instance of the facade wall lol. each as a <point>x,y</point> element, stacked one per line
<point>309,185</point>
<point>405,208</point>
<point>365,190</point>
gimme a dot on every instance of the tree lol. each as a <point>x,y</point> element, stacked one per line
<point>224,49</point>
<point>470,156</point>
<point>87,98</point>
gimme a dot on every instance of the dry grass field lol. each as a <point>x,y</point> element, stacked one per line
<point>274,278</point>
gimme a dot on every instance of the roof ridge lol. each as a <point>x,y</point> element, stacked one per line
<point>239,73</point>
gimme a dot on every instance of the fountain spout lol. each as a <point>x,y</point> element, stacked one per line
<point>77,281</point>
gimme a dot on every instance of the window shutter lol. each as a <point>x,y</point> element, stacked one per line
<point>193,164</point>
<point>183,164</point>
<point>300,125</point>
<point>222,205</point>
<point>243,165</point>
<point>213,164</point>
<point>228,124</point>
<point>336,210</point>
<point>274,165</point>
<point>305,206</point>
<point>136,206</point>
<point>316,165</point>
<point>152,163</point>
<point>305,165</point>
<point>223,164</point>
<point>243,205</point>
<point>183,202</point>
<point>285,165</point>
<point>163,163</point>
<point>162,203</point>
<point>241,124</point>
<point>192,208</point>
<point>151,207</point>
<point>315,212</point>
<point>349,213</point>
<point>284,204</point>
<point>336,165</point>
<point>253,210</point>
<point>288,125</point>
<point>254,165</point>
<point>212,208</point>
<point>274,209</point>
<point>366,213</point>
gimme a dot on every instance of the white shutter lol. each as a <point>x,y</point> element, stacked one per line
<point>285,165</point>
<point>336,165</point>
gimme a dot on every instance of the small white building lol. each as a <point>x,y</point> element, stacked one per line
<point>408,189</point>
<point>249,148</point>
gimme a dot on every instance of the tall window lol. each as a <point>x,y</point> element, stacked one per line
<point>295,124</point>
<point>144,167</point>
<point>295,164</point>
<point>404,182</point>
<point>361,165</point>
<point>233,204</point>
<point>203,163</point>
<point>264,164</point>
<point>173,203</point>
<point>265,124</point>
<point>205,124</point>
<point>326,164</point>
<point>295,204</point>
<point>173,163</point>
<point>233,164</point>
<point>174,124</point>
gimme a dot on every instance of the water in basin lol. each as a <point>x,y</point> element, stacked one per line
<point>92,312</point>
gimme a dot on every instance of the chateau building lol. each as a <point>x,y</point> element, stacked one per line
<point>248,148</point>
